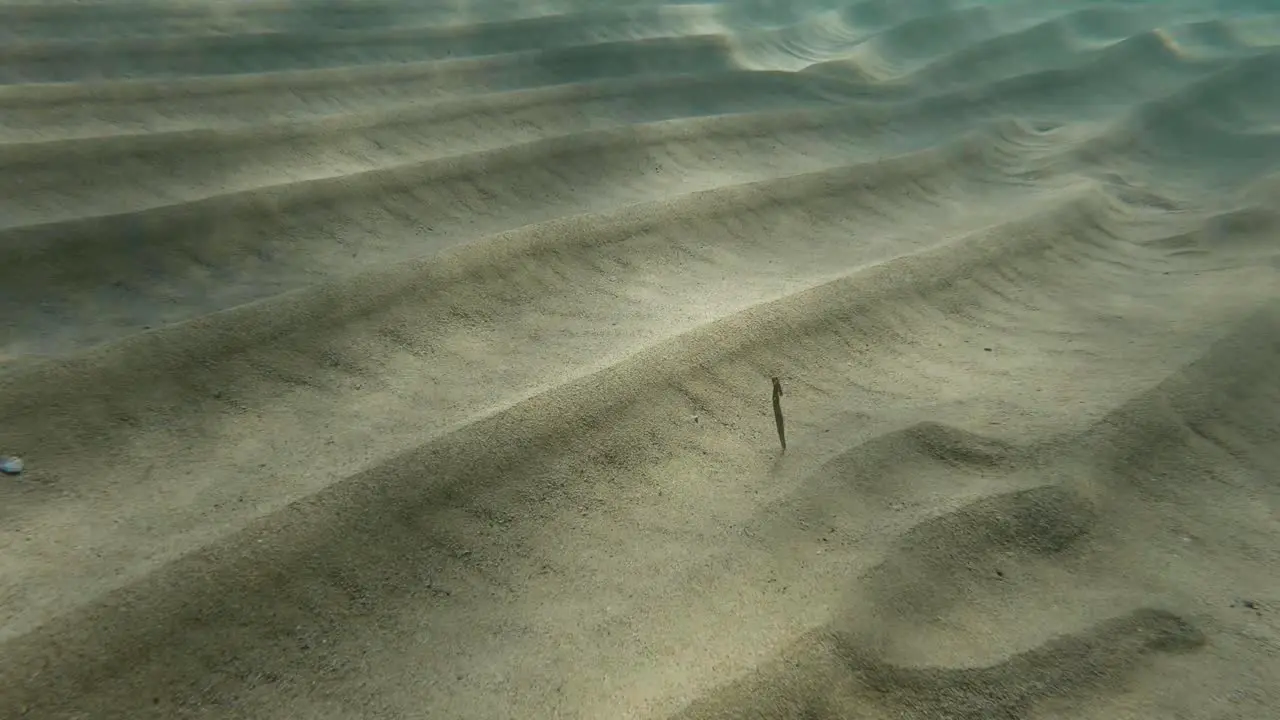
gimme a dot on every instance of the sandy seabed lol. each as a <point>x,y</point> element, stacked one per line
<point>413,360</point>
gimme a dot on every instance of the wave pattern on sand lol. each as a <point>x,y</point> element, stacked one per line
<point>401,359</point>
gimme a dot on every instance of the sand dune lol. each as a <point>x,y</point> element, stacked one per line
<point>412,360</point>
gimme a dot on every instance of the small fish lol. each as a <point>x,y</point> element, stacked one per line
<point>777,413</point>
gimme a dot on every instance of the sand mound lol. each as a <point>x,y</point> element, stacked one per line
<point>391,359</point>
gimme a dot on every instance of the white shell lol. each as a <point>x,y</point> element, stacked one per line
<point>10,465</point>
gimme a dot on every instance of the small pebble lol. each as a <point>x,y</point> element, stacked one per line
<point>10,465</point>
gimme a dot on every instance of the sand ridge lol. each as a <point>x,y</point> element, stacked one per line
<point>393,359</point>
